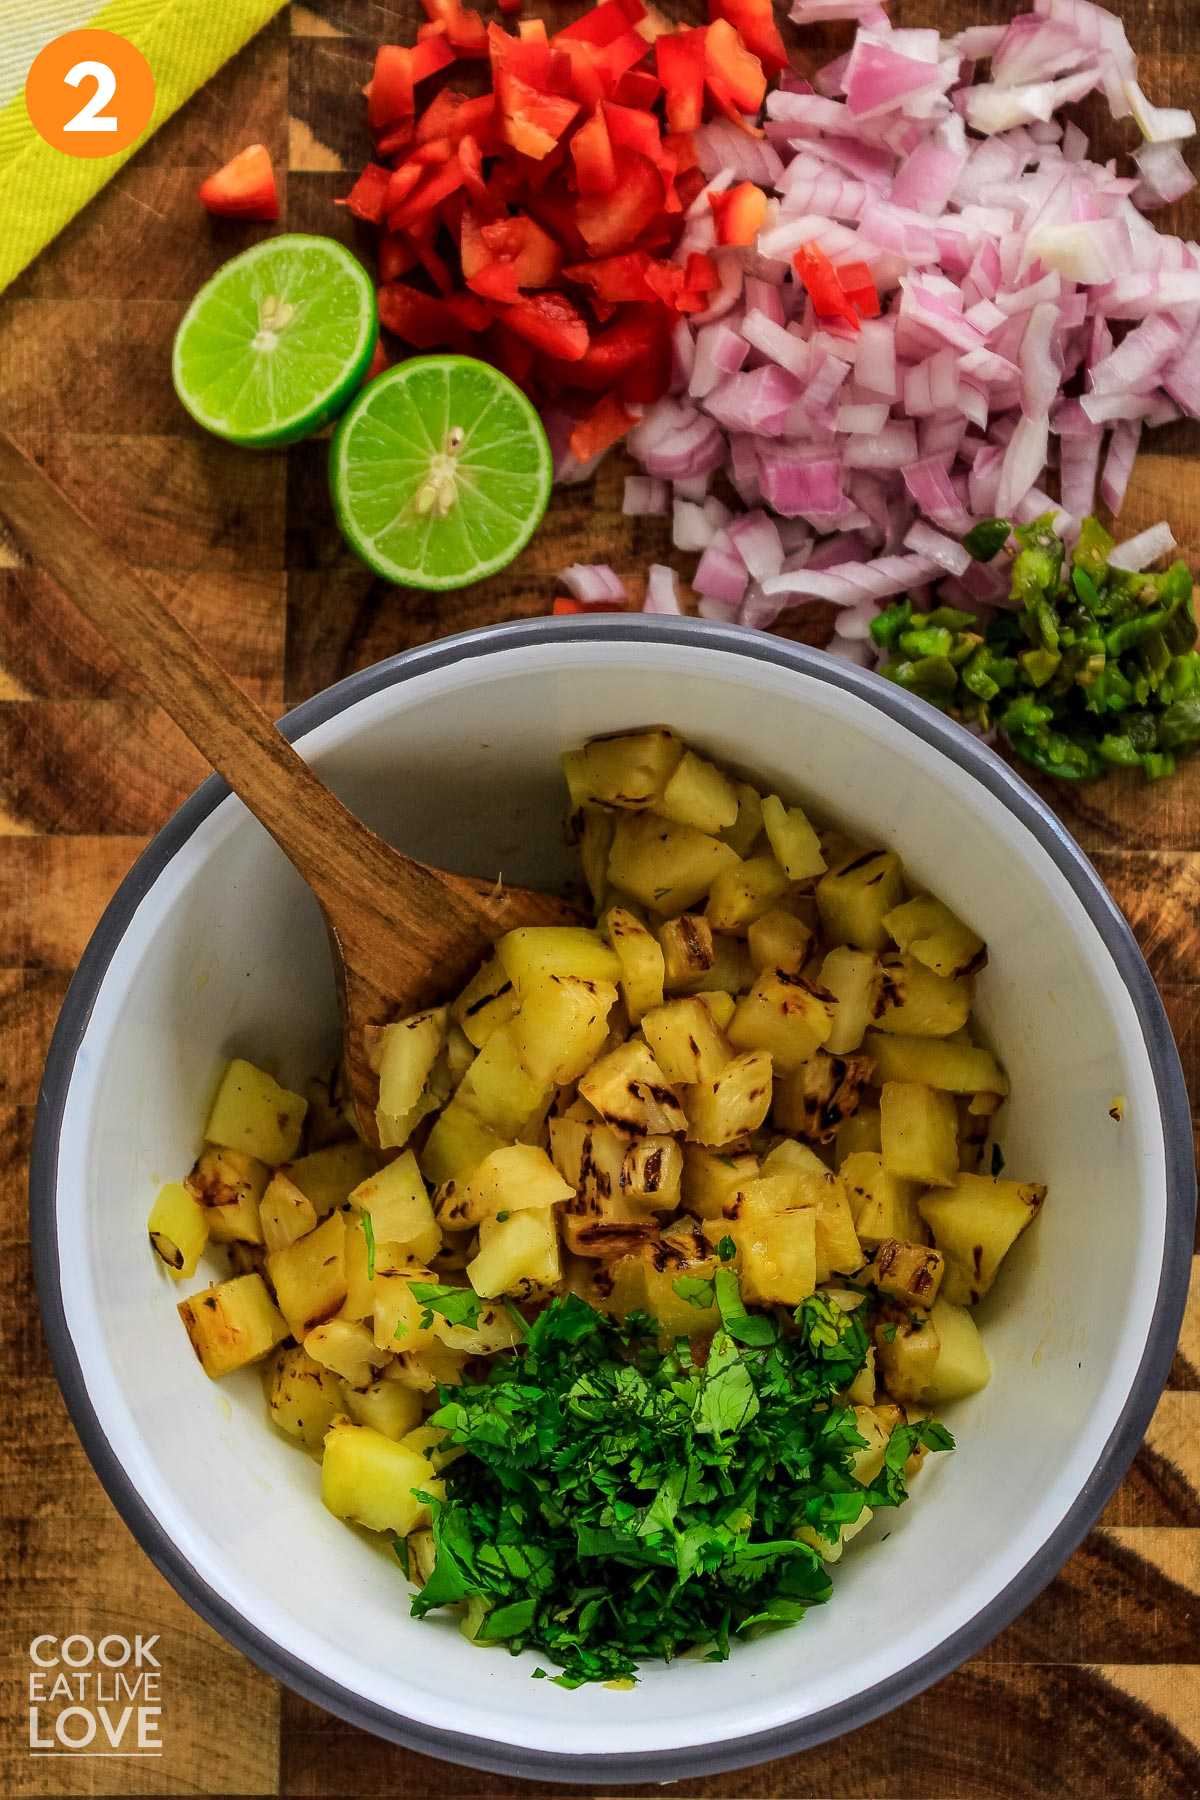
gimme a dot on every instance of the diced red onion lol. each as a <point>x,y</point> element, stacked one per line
<point>1148,547</point>
<point>1118,466</point>
<point>720,350</point>
<point>645,495</point>
<point>721,574</point>
<point>798,486</point>
<point>662,590</point>
<point>690,529</point>
<point>782,346</point>
<point>1079,470</point>
<point>923,540</point>
<point>851,583</point>
<point>593,584</point>
<point>758,543</point>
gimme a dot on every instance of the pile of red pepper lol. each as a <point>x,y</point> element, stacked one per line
<point>538,217</point>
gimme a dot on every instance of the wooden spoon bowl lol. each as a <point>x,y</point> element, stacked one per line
<point>402,934</point>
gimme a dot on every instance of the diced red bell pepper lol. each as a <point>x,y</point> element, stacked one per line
<point>365,199</point>
<point>620,57</point>
<point>526,58</point>
<point>735,78</point>
<point>600,429</point>
<point>630,129</point>
<point>435,266</point>
<point>533,122</point>
<point>396,140</point>
<point>396,257</point>
<point>533,253</point>
<point>556,211</point>
<point>681,146</point>
<point>610,222</point>
<point>689,187</point>
<point>635,337</point>
<point>435,150</point>
<point>603,24</point>
<point>511,6</point>
<point>533,31</point>
<point>469,312</point>
<point>701,273</point>
<point>575,73</point>
<point>497,281</point>
<point>551,324</point>
<point>638,88</point>
<point>858,285</point>
<point>825,290</point>
<point>614,278</point>
<point>401,184</point>
<point>666,282</point>
<point>463,25</point>
<point>563,607</point>
<point>244,188</point>
<point>422,320</point>
<point>739,212</point>
<point>473,253</point>
<point>424,198</point>
<point>470,161</point>
<point>429,56</point>
<point>390,89</point>
<point>455,116</point>
<point>755,21</point>
<point>592,153</point>
<point>681,60</point>
<point>513,355</point>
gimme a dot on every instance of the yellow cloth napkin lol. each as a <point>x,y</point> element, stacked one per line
<point>184,41</point>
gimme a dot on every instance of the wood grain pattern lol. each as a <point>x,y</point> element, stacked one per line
<point>1094,1692</point>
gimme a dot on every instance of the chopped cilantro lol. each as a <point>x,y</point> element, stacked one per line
<point>726,1249</point>
<point>368,1226</point>
<point>997,1160</point>
<point>889,1334</point>
<point>616,1502</point>
<point>503,1217</point>
<point>457,1305</point>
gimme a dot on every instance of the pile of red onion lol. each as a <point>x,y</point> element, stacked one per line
<point>1033,322</point>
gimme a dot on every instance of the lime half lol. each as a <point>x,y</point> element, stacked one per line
<point>440,472</point>
<point>274,345</point>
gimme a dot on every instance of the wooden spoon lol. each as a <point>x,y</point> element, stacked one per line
<point>403,935</point>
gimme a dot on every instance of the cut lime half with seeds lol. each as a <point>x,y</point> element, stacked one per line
<point>272,348</point>
<point>440,472</point>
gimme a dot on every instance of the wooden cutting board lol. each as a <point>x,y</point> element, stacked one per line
<point>1094,1694</point>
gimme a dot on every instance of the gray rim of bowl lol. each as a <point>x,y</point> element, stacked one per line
<point>662,1765</point>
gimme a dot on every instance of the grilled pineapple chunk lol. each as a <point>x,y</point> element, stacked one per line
<point>285,1213</point>
<point>518,1255</point>
<point>561,1026</point>
<point>855,895</point>
<point>917,1003</point>
<point>926,929</point>
<point>458,1142</point>
<point>859,1132</point>
<point>919,1129</point>
<point>518,1178</point>
<point>815,1099</point>
<point>784,1014</point>
<point>407,1052</point>
<point>400,1210</point>
<point>399,1314</point>
<point>744,892</point>
<point>371,1480</point>
<point>711,1180</point>
<point>309,1276</point>
<point>794,844</point>
<point>253,1114</point>
<point>631,1093</point>
<point>882,1204</point>
<point>178,1227</point>
<point>699,794</point>
<point>776,1254</point>
<point>488,1000</point>
<point>234,1323</point>
<point>906,1351</point>
<point>386,1406</point>
<point>721,1005</point>
<point>785,1185</point>
<point>687,947</point>
<point>346,1347</point>
<point>956,1068</point>
<point>229,1184</point>
<point>599,1220</point>
<point>910,1273</point>
<point>594,827</point>
<point>498,1090</point>
<point>532,952</point>
<point>962,1366</point>
<point>733,1104</point>
<point>304,1398</point>
<point>667,867</point>
<point>975,1223</point>
<point>643,968</point>
<point>327,1177</point>
<point>652,1173</point>
<point>779,940</point>
<point>628,770</point>
<point>687,1042</point>
<point>855,980</point>
<point>746,829</point>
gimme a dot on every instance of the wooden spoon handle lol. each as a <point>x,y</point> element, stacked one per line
<point>309,824</point>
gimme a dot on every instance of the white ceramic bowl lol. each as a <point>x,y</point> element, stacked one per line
<point>213,946</point>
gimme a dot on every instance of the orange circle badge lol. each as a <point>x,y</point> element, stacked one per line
<point>90,93</point>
